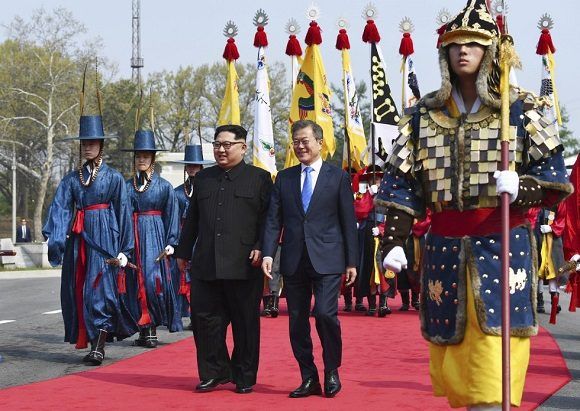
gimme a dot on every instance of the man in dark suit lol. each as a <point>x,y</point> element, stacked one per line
<point>23,233</point>
<point>313,203</point>
<point>225,223</point>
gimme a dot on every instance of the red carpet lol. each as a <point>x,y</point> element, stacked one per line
<point>385,366</point>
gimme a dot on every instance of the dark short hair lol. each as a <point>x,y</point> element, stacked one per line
<point>300,124</point>
<point>239,132</point>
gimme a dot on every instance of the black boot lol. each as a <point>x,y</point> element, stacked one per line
<point>151,339</point>
<point>274,299</point>
<point>147,337</point>
<point>405,299</point>
<point>372,299</point>
<point>383,306</point>
<point>87,357</point>
<point>359,306</point>
<point>415,300</point>
<point>540,307</point>
<point>97,354</point>
<point>267,301</point>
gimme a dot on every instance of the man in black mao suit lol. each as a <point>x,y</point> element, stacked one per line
<point>225,223</point>
<point>313,203</point>
<point>23,233</point>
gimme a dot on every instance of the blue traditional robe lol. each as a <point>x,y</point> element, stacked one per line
<point>104,226</point>
<point>156,221</point>
<point>181,280</point>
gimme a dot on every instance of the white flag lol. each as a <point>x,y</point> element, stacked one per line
<point>264,152</point>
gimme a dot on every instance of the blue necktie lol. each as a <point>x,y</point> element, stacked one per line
<point>307,188</point>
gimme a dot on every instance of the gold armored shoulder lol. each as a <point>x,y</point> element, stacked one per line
<point>543,131</point>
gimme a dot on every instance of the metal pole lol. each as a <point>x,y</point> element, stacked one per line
<point>13,192</point>
<point>505,227</point>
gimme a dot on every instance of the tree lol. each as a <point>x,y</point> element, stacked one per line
<point>571,144</point>
<point>43,60</point>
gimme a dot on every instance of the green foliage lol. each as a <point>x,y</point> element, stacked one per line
<point>571,144</point>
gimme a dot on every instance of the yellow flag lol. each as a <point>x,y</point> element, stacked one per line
<point>311,101</point>
<point>230,109</point>
<point>353,120</point>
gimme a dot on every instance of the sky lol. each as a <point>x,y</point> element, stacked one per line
<point>178,33</point>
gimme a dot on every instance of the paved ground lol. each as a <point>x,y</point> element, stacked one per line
<point>32,348</point>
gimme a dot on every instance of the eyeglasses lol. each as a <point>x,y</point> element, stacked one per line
<point>225,144</point>
<point>305,142</point>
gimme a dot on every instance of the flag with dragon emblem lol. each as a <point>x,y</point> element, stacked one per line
<point>311,100</point>
<point>264,153</point>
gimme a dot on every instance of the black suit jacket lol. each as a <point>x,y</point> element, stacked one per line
<point>225,222</point>
<point>26,239</point>
<point>328,228</point>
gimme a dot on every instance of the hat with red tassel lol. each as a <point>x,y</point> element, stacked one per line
<point>406,27</point>
<point>545,44</point>
<point>260,21</point>
<point>231,50</point>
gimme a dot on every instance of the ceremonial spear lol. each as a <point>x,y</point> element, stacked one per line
<point>507,60</point>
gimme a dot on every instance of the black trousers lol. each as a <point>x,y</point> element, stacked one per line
<point>299,289</point>
<point>216,304</point>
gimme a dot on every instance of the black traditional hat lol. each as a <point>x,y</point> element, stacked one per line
<point>473,24</point>
<point>144,141</point>
<point>193,155</point>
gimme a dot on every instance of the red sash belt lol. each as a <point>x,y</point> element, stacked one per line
<point>482,221</point>
<point>145,317</point>
<point>81,271</point>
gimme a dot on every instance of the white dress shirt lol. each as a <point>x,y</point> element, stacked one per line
<point>316,166</point>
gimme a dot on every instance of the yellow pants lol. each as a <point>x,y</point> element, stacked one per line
<point>469,373</point>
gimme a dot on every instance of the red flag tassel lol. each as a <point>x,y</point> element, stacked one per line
<point>545,44</point>
<point>500,23</point>
<point>260,38</point>
<point>371,33</point>
<point>342,41</point>
<point>406,47</point>
<point>293,47</point>
<point>231,50</point>
<point>121,282</point>
<point>314,35</point>
<point>554,310</point>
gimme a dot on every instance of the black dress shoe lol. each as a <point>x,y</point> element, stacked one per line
<point>244,390</point>
<point>332,384</point>
<point>208,385</point>
<point>309,387</point>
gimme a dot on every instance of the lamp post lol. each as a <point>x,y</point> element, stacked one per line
<point>13,192</point>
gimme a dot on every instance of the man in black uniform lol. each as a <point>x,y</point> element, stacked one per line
<point>224,221</point>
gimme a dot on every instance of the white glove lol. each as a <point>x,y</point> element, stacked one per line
<point>169,250</point>
<point>357,225</point>
<point>376,231</point>
<point>362,188</point>
<point>122,260</point>
<point>395,260</point>
<point>374,189</point>
<point>507,182</point>
<point>545,228</point>
<point>576,258</point>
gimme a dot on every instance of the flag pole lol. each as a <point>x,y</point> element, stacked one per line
<point>506,61</point>
<point>342,44</point>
